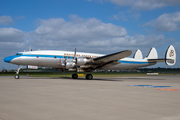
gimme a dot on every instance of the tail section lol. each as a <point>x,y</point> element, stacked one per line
<point>138,54</point>
<point>170,56</point>
<point>152,54</point>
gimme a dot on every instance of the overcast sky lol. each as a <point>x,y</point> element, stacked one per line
<point>97,26</point>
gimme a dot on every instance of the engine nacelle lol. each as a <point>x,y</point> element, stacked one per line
<point>70,65</point>
<point>83,61</point>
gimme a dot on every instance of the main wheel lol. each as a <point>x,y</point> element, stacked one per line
<point>16,76</point>
<point>89,77</point>
<point>74,76</point>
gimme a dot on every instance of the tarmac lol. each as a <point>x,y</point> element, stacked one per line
<point>120,98</point>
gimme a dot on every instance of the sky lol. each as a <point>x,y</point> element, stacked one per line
<point>94,26</point>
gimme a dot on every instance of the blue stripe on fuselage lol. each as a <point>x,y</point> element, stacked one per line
<point>48,56</point>
<point>134,62</point>
<point>9,58</point>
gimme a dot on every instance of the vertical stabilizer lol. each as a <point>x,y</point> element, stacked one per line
<point>138,54</point>
<point>170,56</point>
<point>152,54</point>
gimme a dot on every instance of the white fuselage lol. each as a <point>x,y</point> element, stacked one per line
<point>55,59</point>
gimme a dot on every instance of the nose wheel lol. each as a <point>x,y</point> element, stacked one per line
<point>17,73</point>
<point>16,76</point>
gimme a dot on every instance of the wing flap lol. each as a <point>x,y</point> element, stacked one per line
<point>107,65</point>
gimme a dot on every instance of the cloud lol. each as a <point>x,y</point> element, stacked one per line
<point>12,35</point>
<point>6,20</point>
<point>77,31</point>
<point>12,39</point>
<point>145,4</point>
<point>126,16</point>
<point>166,22</point>
<point>89,35</point>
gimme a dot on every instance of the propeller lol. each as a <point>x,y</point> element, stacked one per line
<point>64,62</point>
<point>75,59</point>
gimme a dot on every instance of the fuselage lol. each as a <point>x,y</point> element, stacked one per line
<point>55,59</point>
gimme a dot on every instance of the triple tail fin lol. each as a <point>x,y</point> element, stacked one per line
<point>152,54</point>
<point>138,54</point>
<point>170,56</point>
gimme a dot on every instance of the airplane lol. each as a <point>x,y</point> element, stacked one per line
<point>88,62</point>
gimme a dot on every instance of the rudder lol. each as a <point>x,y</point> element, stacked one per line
<point>138,54</point>
<point>152,54</point>
<point>170,56</point>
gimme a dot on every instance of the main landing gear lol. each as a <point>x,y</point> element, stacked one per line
<point>88,76</point>
<point>74,76</point>
<point>17,72</point>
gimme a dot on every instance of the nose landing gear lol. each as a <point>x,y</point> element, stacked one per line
<point>17,72</point>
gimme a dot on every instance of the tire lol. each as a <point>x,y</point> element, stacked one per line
<point>16,76</point>
<point>74,76</point>
<point>89,77</point>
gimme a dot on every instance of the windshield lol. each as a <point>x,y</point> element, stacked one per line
<point>19,54</point>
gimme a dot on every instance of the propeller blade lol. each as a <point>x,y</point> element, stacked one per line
<point>75,54</point>
<point>75,59</point>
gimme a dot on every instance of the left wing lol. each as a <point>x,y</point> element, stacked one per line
<point>112,57</point>
<point>108,60</point>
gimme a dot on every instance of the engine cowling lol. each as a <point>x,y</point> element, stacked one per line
<point>83,61</point>
<point>70,65</point>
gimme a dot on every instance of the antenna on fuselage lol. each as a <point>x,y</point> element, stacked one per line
<point>30,49</point>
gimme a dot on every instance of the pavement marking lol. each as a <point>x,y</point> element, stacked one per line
<point>148,86</point>
<point>153,87</point>
<point>169,89</point>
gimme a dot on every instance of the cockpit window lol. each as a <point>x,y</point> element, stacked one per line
<point>18,54</point>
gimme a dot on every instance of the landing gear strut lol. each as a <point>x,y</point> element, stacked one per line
<point>17,73</point>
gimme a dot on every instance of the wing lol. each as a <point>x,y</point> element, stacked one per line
<point>112,57</point>
<point>107,60</point>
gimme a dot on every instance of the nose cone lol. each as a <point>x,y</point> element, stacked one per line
<point>8,59</point>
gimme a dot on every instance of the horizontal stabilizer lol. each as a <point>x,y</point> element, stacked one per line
<point>138,54</point>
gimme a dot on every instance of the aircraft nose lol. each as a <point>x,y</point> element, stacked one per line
<point>8,59</point>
